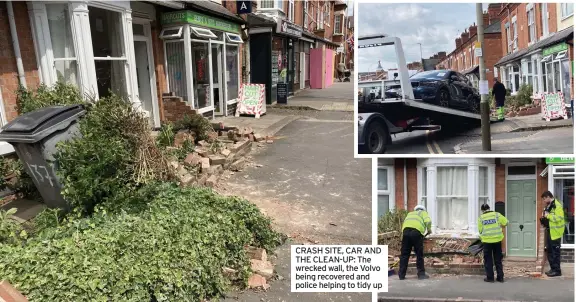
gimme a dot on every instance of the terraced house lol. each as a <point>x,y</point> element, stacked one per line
<point>453,189</point>
<point>537,43</point>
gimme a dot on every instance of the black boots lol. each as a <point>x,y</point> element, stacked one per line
<point>553,274</point>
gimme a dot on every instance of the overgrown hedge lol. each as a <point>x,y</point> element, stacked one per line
<point>172,251</point>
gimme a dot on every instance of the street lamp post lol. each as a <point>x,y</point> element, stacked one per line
<point>483,85</point>
<point>421,57</point>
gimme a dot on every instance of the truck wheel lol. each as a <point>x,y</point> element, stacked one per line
<point>376,139</point>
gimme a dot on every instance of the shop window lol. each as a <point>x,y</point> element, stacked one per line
<point>201,74</point>
<point>108,48</point>
<point>452,198</point>
<point>385,188</point>
<point>535,76</point>
<point>565,69</point>
<point>233,38</point>
<point>232,72</point>
<point>65,61</point>
<point>564,192</point>
<point>202,33</point>
<point>176,68</point>
<point>171,33</point>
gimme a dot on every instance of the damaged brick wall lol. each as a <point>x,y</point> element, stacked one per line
<point>174,108</point>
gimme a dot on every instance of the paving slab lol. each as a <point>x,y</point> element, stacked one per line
<point>338,97</point>
<point>267,124</point>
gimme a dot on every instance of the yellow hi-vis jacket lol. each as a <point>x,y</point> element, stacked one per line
<point>556,221</point>
<point>490,227</point>
<point>417,220</point>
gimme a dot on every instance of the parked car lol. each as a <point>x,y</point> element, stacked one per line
<point>446,88</point>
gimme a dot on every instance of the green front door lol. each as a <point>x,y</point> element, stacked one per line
<point>521,214</point>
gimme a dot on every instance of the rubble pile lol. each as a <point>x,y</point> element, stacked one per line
<point>262,268</point>
<point>225,149</point>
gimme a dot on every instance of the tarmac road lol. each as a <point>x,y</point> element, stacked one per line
<point>316,192</point>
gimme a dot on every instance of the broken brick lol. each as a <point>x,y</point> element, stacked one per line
<point>217,160</point>
<point>212,136</point>
<point>211,181</point>
<point>263,268</point>
<point>202,152</point>
<point>205,164</point>
<point>225,152</point>
<point>256,281</point>
<point>241,145</point>
<point>203,143</point>
<point>192,159</point>
<point>181,137</point>
<point>256,253</point>
<point>10,294</point>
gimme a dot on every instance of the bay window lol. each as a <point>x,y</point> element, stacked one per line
<point>65,62</point>
<point>385,196</point>
<point>452,198</point>
<point>175,65</point>
<point>527,73</point>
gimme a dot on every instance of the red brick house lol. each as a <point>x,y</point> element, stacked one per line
<point>536,52</point>
<point>453,189</point>
<point>462,58</point>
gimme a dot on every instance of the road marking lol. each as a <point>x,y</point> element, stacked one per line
<point>430,149</point>
<point>437,147</point>
<point>325,121</point>
<point>337,130</point>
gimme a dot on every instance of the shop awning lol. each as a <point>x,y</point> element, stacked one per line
<point>257,20</point>
<point>554,38</point>
<point>470,70</point>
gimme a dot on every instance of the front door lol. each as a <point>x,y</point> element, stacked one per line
<point>217,79</point>
<point>145,79</point>
<point>521,214</point>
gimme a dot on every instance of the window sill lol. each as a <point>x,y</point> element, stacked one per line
<point>567,17</point>
<point>205,109</point>
<point>231,102</point>
<point>568,246</point>
<point>338,34</point>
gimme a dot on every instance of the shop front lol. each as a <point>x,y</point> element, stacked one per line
<point>202,59</point>
<point>556,64</point>
<point>273,52</point>
<point>560,173</point>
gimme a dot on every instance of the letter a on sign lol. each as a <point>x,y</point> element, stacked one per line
<point>243,7</point>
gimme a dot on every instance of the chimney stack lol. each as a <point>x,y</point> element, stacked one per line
<point>473,30</point>
<point>458,42</point>
<point>486,19</point>
<point>464,36</point>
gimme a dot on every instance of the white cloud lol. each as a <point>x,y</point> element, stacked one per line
<point>409,12</point>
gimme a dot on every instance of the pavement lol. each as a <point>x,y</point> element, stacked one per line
<point>473,288</point>
<point>309,183</point>
<point>338,97</point>
<point>518,135</point>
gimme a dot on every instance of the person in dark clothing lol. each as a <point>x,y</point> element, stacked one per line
<point>415,225</point>
<point>499,93</point>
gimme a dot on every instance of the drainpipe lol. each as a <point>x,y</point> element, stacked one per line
<point>405,187</point>
<point>17,53</point>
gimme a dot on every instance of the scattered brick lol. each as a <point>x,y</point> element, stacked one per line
<point>212,181</point>
<point>192,159</point>
<point>225,152</point>
<point>257,253</point>
<point>263,268</point>
<point>217,160</point>
<point>257,281</point>
<point>205,164</point>
<point>10,294</point>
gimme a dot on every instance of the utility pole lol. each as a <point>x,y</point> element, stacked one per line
<point>421,56</point>
<point>483,85</point>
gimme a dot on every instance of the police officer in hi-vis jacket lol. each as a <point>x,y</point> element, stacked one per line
<point>413,228</point>
<point>490,225</point>
<point>553,220</point>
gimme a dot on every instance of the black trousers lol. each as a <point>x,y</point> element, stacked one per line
<point>553,252</point>
<point>493,257</point>
<point>412,238</point>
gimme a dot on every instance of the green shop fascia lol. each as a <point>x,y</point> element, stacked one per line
<point>202,59</point>
<point>560,172</point>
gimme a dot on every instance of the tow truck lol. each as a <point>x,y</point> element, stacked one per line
<point>388,107</point>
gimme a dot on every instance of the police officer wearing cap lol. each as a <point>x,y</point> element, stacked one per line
<point>413,228</point>
<point>490,225</point>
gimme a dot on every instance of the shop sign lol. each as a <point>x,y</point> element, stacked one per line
<point>190,17</point>
<point>252,100</point>
<point>554,49</point>
<point>553,106</point>
<point>243,7</point>
<point>559,160</point>
<point>289,28</point>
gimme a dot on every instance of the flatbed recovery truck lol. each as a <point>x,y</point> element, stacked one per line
<point>380,115</point>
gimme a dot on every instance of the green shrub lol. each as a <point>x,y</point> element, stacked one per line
<point>174,250</point>
<point>391,222</point>
<point>115,152</point>
<point>197,123</point>
<point>60,94</point>
<point>11,232</point>
<point>166,135</point>
<point>20,182</point>
<point>524,95</point>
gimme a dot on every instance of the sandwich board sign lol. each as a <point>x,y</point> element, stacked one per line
<point>553,106</point>
<point>252,100</point>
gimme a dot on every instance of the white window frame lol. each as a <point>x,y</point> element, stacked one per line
<point>515,29</point>
<point>531,16</point>
<point>338,30</point>
<point>544,17</point>
<point>320,17</point>
<point>177,35</point>
<point>564,10</point>
<point>507,28</point>
<point>277,5</point>
<point>199,32</point>
<point>233,101</point>
<point>306,14</point>
<point>561,55</point>
<point>291,10</point>
<point>391,186</point>
<point>473,165</point>
<point>80,25</point>
<point>5,148</point>
<point>232,38</point>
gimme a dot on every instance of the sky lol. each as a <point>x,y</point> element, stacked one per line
<point>435,25</point>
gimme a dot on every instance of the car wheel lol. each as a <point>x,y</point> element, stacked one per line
<point>473,104</point>
<point>375,139</point>
<point>443,98</point>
